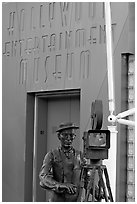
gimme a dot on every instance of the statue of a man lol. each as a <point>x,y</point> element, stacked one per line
<point>60,171</point>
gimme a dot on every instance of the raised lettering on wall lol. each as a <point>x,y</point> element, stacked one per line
<point>22,19</point>
<point>51,12</point>
<point>7,49</point>
<point>68,39</point>
<point>36,70</point>
<point>57,70</point>
<point>42,17</point>
<point>92,9</point>
<point>113,26</point>
<point>60,41</point>
<point>103,10</point>
<point>36,45</point>
<point>64,7</point>
<point>78,11</point>
<point>23,71</point>
<point>14,48</point>
<point>21,47</point>
<point>29,45</point>
<point>44,42</point>
<point>80,38</point>
<point>102,32</point>
<point>11,23</point>
<point>93,35</point>
<point>33,19</point>
<point>47,66</point>
<point>70,65</point>
<point>85,57</point>
<point>52,45</point>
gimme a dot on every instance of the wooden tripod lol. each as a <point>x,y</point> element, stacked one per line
<point>103,191</point>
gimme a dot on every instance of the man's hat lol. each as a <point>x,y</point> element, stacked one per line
<point>65,126</point>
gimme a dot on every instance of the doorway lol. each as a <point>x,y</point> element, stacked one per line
<point>50,110</point>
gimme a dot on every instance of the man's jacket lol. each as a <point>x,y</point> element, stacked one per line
<point>57,168</point>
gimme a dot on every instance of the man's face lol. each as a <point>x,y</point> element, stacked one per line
<point>66,137</point>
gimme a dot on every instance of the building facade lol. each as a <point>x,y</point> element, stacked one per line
<point>54,67</point>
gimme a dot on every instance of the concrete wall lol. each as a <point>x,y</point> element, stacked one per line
<point>55,46</point>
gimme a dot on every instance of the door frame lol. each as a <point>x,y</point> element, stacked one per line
<point>32,106</point>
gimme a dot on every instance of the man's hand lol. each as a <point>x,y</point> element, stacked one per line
<point>68,187</point>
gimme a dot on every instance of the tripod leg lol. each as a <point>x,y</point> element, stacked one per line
<point>93,193</point>
<point>90,185</point>
<point>99,191</point>
<point>102,184</point>
<point>108,184</point>
<point>81,186</point>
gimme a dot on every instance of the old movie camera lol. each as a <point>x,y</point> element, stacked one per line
<point>96,144</point>
<point>94,177</point>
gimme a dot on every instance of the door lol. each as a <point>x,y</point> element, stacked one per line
<point>50,113</point>
<point>59,111</point>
